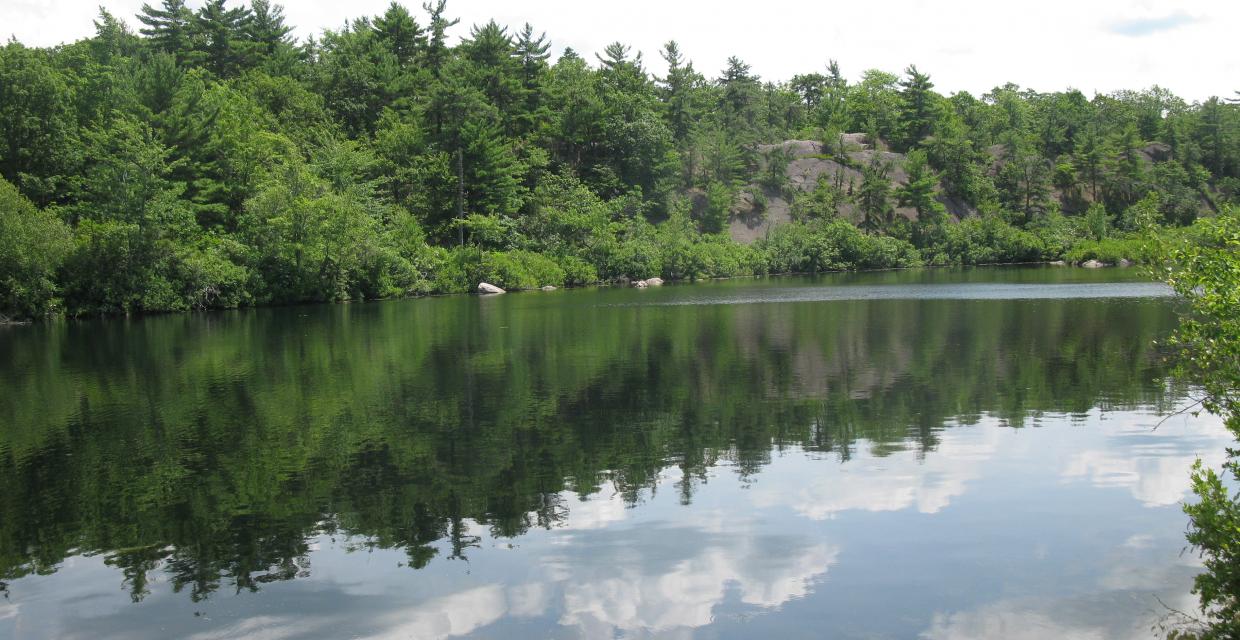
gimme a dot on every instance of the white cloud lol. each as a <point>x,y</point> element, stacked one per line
<point>1001,622</point>
<point>892,483</point>
<point>259,628</point>
<point>453,615</point>
<point>596,512</point>
<point>1152,465</point>
<point>599,587</point>
<point>1125,607</point>
<point>601,600</point>
<point>969,45</point>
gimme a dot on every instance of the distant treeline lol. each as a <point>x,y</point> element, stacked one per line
<point>210,160</point>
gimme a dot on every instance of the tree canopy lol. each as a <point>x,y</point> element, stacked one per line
<point>209,159</point>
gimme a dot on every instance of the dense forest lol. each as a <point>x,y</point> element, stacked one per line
<point>207,159</point>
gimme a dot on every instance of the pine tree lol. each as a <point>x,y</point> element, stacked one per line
<point>223,36</point>
<point>531,53</point>
<point>437,44</point>
<point>874,199</point>
<point>740,95</point>
<point>491,170</point>
<point>1088,158</point>
<point>400,33</point>
<point>169,29</point>
<point>680,90</point>
<point>917,107</point>
<point>267,31</point>
<point>920,189</point>
<point>1024,180</point>
<point>830,113</point>
<point>494,69</point>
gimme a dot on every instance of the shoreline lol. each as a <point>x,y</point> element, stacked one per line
<point>6,322</point>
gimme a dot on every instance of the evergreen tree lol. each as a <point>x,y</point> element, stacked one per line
<point>495,70</point>
<point>921,187</point>
<point>492,171</point>
<point>681,91</point>
<point>917,107</point>
<point>739,98</point>
<point>1089,157</point>
<point>222,36</point>
<point>437,44</point>
<point>266,31</point>
<point>400,33</point>
<point>830,113</point>
<point>1023,180</point>
<point>531,53</point>
<point>169,29</point>
<point>874,198</point>
<point>1124,180</point>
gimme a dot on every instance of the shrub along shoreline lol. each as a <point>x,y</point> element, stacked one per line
<point>573,239</point>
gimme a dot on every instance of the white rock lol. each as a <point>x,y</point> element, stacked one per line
<point>640,284</point>
<point>486,287</point>
<point>1125,262</point>
<point>1092,264</point>
<point>654,282</point>
<point>547,287</point>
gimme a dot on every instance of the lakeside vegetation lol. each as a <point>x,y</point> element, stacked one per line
<point>1206,273</point>
<point>208,160</point>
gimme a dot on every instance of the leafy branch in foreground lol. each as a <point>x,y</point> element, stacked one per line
<point>1207,274</point>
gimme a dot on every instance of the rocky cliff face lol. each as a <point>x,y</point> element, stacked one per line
<point>759,209</point>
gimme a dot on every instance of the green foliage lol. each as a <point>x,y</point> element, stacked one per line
<point>463,268</point>
<point>1134,249</point>
<point>774,177</point>
<point>987,240</point>
<point>832,245</point>
<point>719,199</point>
<point>1214,529</point>
<point>1096,222</point>
<point>921,193</point>
<point>1206,272</point>
<point>38,152</point>
<point>33,244</point>
<point>211,160</point>
<point>874,197</point>
<point>823,202</point>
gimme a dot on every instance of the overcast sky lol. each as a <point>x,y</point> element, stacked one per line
<point>973,45</point>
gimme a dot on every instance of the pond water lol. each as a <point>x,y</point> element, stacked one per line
<point>938,454</point>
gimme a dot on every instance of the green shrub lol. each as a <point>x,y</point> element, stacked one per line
<point>832,245</point>
<point>108,268</point>
<point>987,240</point>
<point>720,257</point>
<point>719,199</point>
<point>465,267</point>
<point>33,244</point>
<point>1137,249</point>
<point>577,271</point>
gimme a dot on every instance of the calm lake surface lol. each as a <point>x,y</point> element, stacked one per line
<point>938,454</point>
